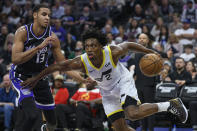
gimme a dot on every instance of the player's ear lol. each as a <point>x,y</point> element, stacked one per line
<point>35,14</point>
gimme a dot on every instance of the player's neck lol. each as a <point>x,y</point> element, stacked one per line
<point>38,30</point>
<point>97,62</point>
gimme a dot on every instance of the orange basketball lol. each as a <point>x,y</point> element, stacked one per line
<point>151,65</point>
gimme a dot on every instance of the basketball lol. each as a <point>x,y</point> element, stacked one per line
<point>151,65</point>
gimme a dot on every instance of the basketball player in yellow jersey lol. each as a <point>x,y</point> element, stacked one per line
<point>119,95</point>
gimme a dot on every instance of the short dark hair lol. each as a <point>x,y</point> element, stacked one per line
<point>179,58</point>
<point>95,33</point>
<point>37,7</point>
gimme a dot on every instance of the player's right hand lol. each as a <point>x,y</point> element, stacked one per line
<point>30,83</point>
<point>48,40</point>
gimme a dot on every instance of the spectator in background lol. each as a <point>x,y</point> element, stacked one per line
<point>185,34</point>
<point>57,10</point>
<point>86,17</point>
<point>29,17</point>
<point>163,36</point>
<point>79,49</point>
<point>7,100</point>
<point>194,60</point>
<point>129,7</point>
<point>191,69</point>
<point>59,31</point>
<point>175,24</point>
<point>167,66</point>
<point>70,42</point>
<point>7,50</point>
<point>153,8</point>
<point>26,8</point>
<point>86,100</point>
<point>107,29</point>
<point>93,5</point>
<point>139,14</point>
<point>159,47</point>
<point>110,27</point>
<point>61,96</point>
<point>180,76</point>
<point>174,45</point>
<point>110,39</point>
<point>20,2</point>
<point>3,35</point>
<point>122,33</point>
<point>7,7</point>
<point>14,16</point>
<point>114,10</point>
<point>68,20</point>
<point>166,10</point>
<point>188,54</point>
<point>163,75</point>
<point>190,12</point>
<point>155,31</point>
<point>146,30</point>
<point>134,28</point>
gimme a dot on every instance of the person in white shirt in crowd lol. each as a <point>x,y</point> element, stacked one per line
<point>188,54</point>
<point>186,34</point>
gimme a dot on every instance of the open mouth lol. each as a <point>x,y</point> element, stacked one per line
<point>90,56</point>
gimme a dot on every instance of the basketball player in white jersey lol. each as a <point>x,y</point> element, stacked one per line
<point>119,95</point>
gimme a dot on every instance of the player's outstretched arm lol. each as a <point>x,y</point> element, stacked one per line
<point>67,65</point>
<point>132,46</point>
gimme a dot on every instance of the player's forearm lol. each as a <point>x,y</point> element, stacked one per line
<point>23,57</point>
<point>61,66</point>
<point>76,76</point>
<point>139,48</point>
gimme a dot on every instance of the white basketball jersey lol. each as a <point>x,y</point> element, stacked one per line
<point>108,74</point>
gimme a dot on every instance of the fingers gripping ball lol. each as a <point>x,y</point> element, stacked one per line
<point>151,65</point>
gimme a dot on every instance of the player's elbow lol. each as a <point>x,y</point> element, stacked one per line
<point>16,61</point>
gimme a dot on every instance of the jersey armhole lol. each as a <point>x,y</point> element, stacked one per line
<point>84,65</point>
<point>110,55</point>
<point>26,27</point>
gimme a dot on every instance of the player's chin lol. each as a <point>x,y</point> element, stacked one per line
<point>45,25</point>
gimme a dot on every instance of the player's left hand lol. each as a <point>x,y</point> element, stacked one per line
<point>30,83</point>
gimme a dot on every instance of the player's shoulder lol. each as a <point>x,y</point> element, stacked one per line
<point>114,48</point>
<point>21,30</point>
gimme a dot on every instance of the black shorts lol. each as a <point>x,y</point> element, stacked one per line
<point>41,93</point>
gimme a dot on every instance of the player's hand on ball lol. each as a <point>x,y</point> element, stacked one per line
<point>29,83</point>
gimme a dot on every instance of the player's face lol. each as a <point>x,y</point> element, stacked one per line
<point>93,48</point>
<point>43,17</point>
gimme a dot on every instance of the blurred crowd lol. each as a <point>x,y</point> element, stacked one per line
<point>170,27</point>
